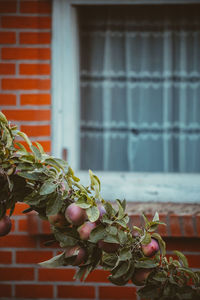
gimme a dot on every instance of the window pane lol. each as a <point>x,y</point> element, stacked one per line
<point>140,88</point>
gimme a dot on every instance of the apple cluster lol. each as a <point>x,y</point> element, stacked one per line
<point>76,216</point>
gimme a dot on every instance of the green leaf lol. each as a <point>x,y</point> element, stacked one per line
<point>146,239</point>
<point>25,137</point>
<point>146,264</point>
<point>146,222</point>
<point>22,148</point>
<point>122,237</point>
<point>29,175</point>
<point>48,187</point>
<point>182,258</point>
<point>162,244</point>
<point>156,217</point>
<point>54,205</point>
<point>40,148</point>
<point>97,233</point>
<point>82,202</point>
<point>3,118</point>
<point>111,239</point>
<point>92,213</point>
<point>125,254</point>
<point>56,261</point>
<point>121,269</point>
<point>112,230</point>
<point>120,210</point>
<point>65,240</point>
<point>138,229</point>
<point>109,209</point>
<point>36,152</point>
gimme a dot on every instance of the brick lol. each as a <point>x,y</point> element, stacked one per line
<point>17,241</point>
<point>35,38</point>
<point>183,244</point>
<point>23,225</point>
<point>8,6</point>
<point>6,290</point>
<point>7,99</point>
<point>193,260</point>
<point>44,239</point>
<point>7,37</point>
<point>36,130</point>
<point>98,276</point>
<point>19,207</point>
<point>26,53</point>
<point>80,292</point>
<point>26,22</point>
<point>198,224</point>
<point>26,84</point>
<point>188,226</point>
<point>34,69</point>
<point>8,274</point>
<point>35,99</point>
<point>46,227</point>
<point>162,229</point>
<point>175,225</point>
<point>7,69</point>
<point>33,291</point>
<point>13,225</point>
<point>45,144</point>
<point>6,257</point>
<point>38,7</point>
<point>56,274</point>
<point>122,293</point>
<point>32,257</point>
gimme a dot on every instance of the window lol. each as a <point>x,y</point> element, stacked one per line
<point>97,117</point>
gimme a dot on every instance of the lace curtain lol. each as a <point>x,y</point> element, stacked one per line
<point>140,88</point>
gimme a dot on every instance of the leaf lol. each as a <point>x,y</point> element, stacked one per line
<point>111,239</point>
<point>36,153</point>
<point>22,148</point>
<point>25,137</point>
<point>3,118</point>
<point>65,240</point>
<point>48,187</point>
<point>97,233</point>
<point>109,209</point>
<point>40,148</point>
<point>120,210</point>
<point>120,270</point>
<point>122,237</point>
<point>125,254</point>
<point>29,175</point>
<point>82,202</point>
<point>112,230</point>
<point>156,217</point>
<point>54,205</point>
<point>93,213</point>
<point>138,229</point>
<point>162,244</point>
<point>146,222</point>
<point>182,258</point>
<point>146,264</point>
<point>56,261</point>
<point>146,239</point>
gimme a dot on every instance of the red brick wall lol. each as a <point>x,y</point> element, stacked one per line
<point>25,53</point>
<point>21,277</point>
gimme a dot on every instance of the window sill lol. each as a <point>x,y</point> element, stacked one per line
<point>182,220</point>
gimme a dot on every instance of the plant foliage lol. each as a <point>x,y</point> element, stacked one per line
<point>48,185</point>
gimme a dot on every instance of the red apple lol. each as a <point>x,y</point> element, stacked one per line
<point>102,211</point>
<point>80,255</point>
<point>5,225</point>
<point>75,214</point>
<point>108,247</point>
<point>140,276</point>
<point>150,249</point>
<point>58,220</point>
<point>85,229</point>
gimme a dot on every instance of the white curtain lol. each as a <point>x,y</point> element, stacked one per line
<point>140,89</point>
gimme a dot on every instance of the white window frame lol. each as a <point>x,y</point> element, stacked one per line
<point>160,187</point>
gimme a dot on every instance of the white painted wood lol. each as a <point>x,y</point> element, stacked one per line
<point>131,2</point>
<point>65,87</point>
<point>146,187</point>
<point>152,187</point>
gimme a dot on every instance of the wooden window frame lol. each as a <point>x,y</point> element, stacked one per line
<point>166,187</point>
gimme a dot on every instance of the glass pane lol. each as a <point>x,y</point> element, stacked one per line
<point>140,88</point>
